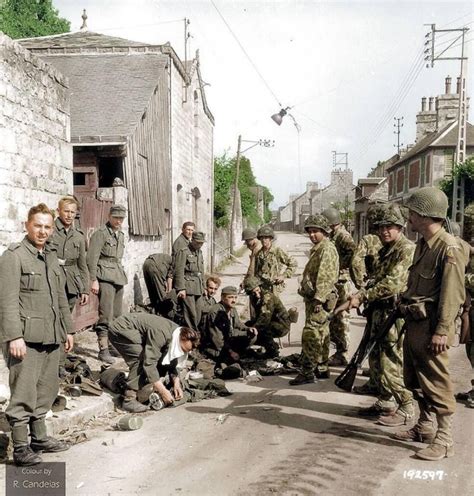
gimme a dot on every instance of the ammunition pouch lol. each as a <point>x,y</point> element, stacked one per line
<point>414,311</point>
<point>330,304</point>
<point>306,290</point>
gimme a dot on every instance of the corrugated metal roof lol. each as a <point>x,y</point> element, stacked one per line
<point>109,93</point>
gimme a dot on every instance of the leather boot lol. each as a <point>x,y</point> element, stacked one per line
<point>104,353</point>
<point>24,456</point>
<point>130,403</point>
<point>442,446</point>
<point>40,441</point>
<point>423,431</point>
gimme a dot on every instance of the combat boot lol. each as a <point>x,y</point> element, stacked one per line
<point>49,445</point>
<point>337,360</point>
<point>417,434</point>
<point>442,446</point>
<point>322,374</point>
<point>131,404</point>
<point>400,417</point>
<point>376,410</point>
<point>302,379</point>
<point>104,353</point>
<point>367,389</point>
<point>24,456</point>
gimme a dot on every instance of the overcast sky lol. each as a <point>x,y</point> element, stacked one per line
<point>343,67</point>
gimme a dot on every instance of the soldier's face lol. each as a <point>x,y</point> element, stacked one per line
<point>116,222</point>
<point>250,243</point>
<point>229,301</point>
<point>390,233</point>
<point>257,292</point>
<point>67,213</point>
<point>315,235</point>
<point>39,229</point>
<point>266,242</point>
<point>416,221</point>
<point>211,288</point>
<point>186,345</point>
<point>188,231</point>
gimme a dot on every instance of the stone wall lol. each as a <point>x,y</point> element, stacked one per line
<point>35,155</point>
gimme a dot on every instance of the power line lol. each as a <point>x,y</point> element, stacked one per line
<point>246,54</point>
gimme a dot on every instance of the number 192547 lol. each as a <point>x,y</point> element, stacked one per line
<point>424,474</point>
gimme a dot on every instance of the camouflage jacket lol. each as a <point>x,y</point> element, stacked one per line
<point>390,278</point>
<point>269,308</point>
<point>253,254</point>
<point>189,271</point>
<point>104,257</point>
<point>33,303</point>
<point>269,266</point>
<point>321,272</point>
<point>70,248</point>
<point>437,278</point>
<point>365,259</point>
<point>345,247</point>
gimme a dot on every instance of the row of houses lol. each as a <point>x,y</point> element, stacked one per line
<point>425,163</point>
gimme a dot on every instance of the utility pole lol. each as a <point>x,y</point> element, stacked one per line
<point>457,213</point>
<point>339,160</point>
<point>398,125</point>
<point>187,35</point>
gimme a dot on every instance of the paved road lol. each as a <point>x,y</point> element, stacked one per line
<point>276,439</point>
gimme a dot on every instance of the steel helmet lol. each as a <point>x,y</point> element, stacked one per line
<point>428,202</point>
<point>248,234</point>
<point>265,231</point>
<point>318,221</point>
<point>251,283</point>
<point>332,215</point>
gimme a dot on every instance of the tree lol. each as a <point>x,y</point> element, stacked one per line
<point>31,18</point>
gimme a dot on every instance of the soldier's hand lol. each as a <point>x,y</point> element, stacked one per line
<point>177,390</point>
<point>84,299</point>
<point>279,280</point>
<point>253,331</point>
<point>95,287</point>
<point>182,294</point>
<point>438,344</point>
<point>163,392</point>
<point>355,301</point>
<point>17,348</point>
<point>69,344</point>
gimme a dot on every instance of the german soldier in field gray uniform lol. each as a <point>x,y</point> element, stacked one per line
<point>107,274</point>
<point>34,322</point>
<point>188,279</point>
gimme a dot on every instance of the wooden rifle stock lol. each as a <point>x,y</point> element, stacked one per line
<point>346,379</point>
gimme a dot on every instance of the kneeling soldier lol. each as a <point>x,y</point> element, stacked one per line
<point>152,347</point>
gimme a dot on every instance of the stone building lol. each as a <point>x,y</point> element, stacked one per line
<point>339,192</point>
<point>139,119</point>
<point>35,155</point>
<point>291,217</point>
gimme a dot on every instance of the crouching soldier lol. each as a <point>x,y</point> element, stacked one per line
<point>271,320</point>
<point>319,292</point>
<point>152,347</point>
<point>155,272</point>
<point>34,320</point>
<point>225,337</point>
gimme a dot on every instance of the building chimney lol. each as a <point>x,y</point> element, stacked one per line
<point>431,107</point>
<point>458,85</point>
<point>425,120</point>
<point>423,104</point>
<point>447,85</point>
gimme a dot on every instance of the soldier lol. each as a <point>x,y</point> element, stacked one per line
<point>269,261</point>
<point>345,246</point>
<point>155,272</point>
<point>208,301</point>
<point>188,279</point>
<point>182,241</point>
<point>225,337</point>
<point>271,319</point>
<point>319,293</point>
<point>35,322</point>
<point>152,347</point>
<point>107,274</point>
<point>470,338</point>
<point>430,304</point>
<point>69,243</point>
<point>249,237</point>
<point>394,405</point>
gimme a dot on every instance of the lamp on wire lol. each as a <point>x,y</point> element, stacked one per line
<point>278,118</point>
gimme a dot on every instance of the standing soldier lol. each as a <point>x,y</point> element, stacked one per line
<point>249,237</point>
<point>430,304</point>
<point>188,279</point>
<point>345,246</point>
<point>269,261</point>
<point>107,274</point>
<point>69,243</point>
<point>182,241</point>
<point>319,293</point>
<point>34,320</point>
<point>469,339</point>
<point>394,405</point>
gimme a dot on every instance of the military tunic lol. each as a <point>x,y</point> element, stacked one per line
<point>104,260</point>
<point>33,306</point>
<point>189,276</point>
<point>178,244</point>
<point>318,289</point>
<point>155,272</point>
<point>339,326</point>
<point>364,261</point>
<point>143,339</point>
<point>435,282</point>
<point>269,266</point>
<point>386,359</point>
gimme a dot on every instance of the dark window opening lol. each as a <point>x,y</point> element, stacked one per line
<point>79,178</point>
<point>109,169</point>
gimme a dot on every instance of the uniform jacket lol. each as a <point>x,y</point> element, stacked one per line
<point>437,278</point>
<point>220,327</point>
<point>345,247</point>
<point>320,273</point>
<point>153,332</point>
<point>189,271</point>
<point>33,304</point>
<point>70,248</point>
<point>364,261</point>
<point>155,270</point>
<point>252,256</point>
<point>179,243</point>
<point>269,266</point>
<point>269,309</point>
<point>104,257</point>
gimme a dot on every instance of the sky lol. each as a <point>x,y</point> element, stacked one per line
<point>346,69</point>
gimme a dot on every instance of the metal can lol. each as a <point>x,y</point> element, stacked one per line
<point>156,403</point>
<point>130,423</point>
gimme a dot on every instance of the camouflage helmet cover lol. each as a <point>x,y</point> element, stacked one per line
<point>248,234</point>
<point>332,215</point>
<point>428,202</point>
<point>318,221</point>
<point>251,283</point>
<point>265,231</point>
<point>391,214</point>
<point>374,212</point>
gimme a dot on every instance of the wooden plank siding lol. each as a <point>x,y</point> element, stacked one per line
<point>147,166</point>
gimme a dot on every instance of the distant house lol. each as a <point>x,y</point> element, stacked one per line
<point>138,114</point>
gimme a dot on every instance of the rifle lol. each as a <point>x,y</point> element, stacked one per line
<point>346,379</point>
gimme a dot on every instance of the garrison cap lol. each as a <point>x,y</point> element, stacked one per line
<point>391,214</point>
<point>428,202</point>
<point>248,233</point>
<point>118,211</point>
<point>199,236</point>
<point>229,290</point>
<point>251,283</point>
